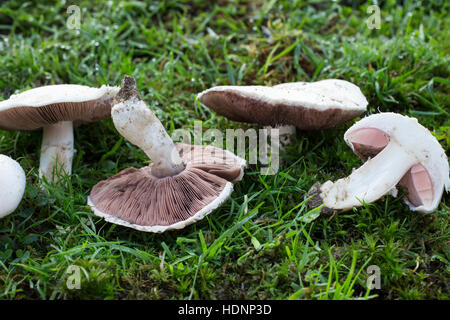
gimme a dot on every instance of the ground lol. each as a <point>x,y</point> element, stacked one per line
<point>263,243</point>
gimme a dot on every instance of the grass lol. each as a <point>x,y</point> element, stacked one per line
<point>263,243</point>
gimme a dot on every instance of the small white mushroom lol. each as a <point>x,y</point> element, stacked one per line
<point>56,108</point>
<point>399,151</point>
<point>12,185</point>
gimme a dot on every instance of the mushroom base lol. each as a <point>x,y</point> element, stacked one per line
<point>316,200</point>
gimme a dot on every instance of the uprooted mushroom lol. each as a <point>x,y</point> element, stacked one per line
<point>398,151</point>
<point>182,185</point>
<point>55,108</point>
<point>307,106</point>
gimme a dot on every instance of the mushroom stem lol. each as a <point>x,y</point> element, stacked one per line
<point>56,150</point>
<point>372,180</point>
<point>139,125</point>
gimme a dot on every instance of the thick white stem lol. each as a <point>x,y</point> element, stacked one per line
<point>138,124</point>
<point>371,181</point>
<point>56,150</point>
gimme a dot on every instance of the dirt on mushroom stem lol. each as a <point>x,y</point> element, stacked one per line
<point>316,200</point>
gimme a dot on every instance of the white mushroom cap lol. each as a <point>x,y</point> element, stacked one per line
<point>12,185</point>
<point>317,95</point>
<point>313,105</point>
<point>43,106</point>
<point>58,93</point>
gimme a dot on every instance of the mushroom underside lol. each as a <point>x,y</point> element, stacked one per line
<point>368,142</point>
<point>137,199</point>
<point>216,161</point>
<point>32,118</point>
<point>252,110</point>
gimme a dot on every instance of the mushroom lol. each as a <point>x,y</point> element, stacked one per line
<point>307,106</point>
<point>182,185</point>
<point>399,151</point>
<point>12,185</point>
<point>55,108</point>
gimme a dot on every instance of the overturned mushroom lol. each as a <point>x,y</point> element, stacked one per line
<point>55,108</point>
<point>307,106</point>
<point>398,150</point>
<point>12,185</point>
<point>183,184</point>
